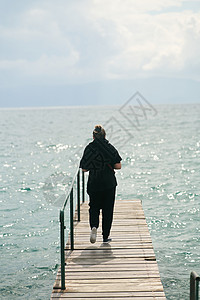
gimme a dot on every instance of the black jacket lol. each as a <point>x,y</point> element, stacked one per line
<point>99,158</point>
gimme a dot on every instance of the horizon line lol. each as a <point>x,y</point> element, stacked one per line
<point>81,106</point>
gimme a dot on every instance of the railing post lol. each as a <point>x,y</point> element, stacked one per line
<point>78,196</point>
<point>194,286</point>
<point>62,246</point>
<point>83,187</point>
<point>71,220</point>
<point>62,224</point>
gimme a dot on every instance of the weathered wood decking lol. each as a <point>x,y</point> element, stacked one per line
<point>124,269</point>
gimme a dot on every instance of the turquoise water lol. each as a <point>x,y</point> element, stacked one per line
<point>161,165</point>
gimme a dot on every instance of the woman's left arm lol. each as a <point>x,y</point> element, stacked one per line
<point>117,166</point>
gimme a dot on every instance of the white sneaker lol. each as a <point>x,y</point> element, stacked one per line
<point>93,235</point>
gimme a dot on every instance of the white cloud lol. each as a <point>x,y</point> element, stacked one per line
<point>92,40</point>
<point>150,44</point>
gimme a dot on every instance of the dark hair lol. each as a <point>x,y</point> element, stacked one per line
<point>99,132</point>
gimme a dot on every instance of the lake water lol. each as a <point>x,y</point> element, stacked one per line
<point>160,148</point>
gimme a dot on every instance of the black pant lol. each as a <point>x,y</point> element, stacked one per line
<point>102,200</point>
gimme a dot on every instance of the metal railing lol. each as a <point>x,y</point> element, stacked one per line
<point>70,196</point>
<point>194,286</point>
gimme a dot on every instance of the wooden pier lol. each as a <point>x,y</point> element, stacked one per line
<point>124,269</point>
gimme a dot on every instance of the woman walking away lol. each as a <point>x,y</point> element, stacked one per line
<point>100,158</point>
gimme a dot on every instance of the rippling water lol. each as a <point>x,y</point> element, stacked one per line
<point>161,166</point>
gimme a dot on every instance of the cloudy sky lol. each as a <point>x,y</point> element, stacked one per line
<point>61,47</point>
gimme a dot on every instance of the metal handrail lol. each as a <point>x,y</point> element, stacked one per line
<point>194,286</point>
<point>68,194</point>
<point>70,197</point>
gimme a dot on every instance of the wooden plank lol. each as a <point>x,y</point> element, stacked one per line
<point>114,266</point>
<point>114,285</point>
<point>124,269</point>
<point>88,296</point>
<point>113,275</point>
<point>109,295</point>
